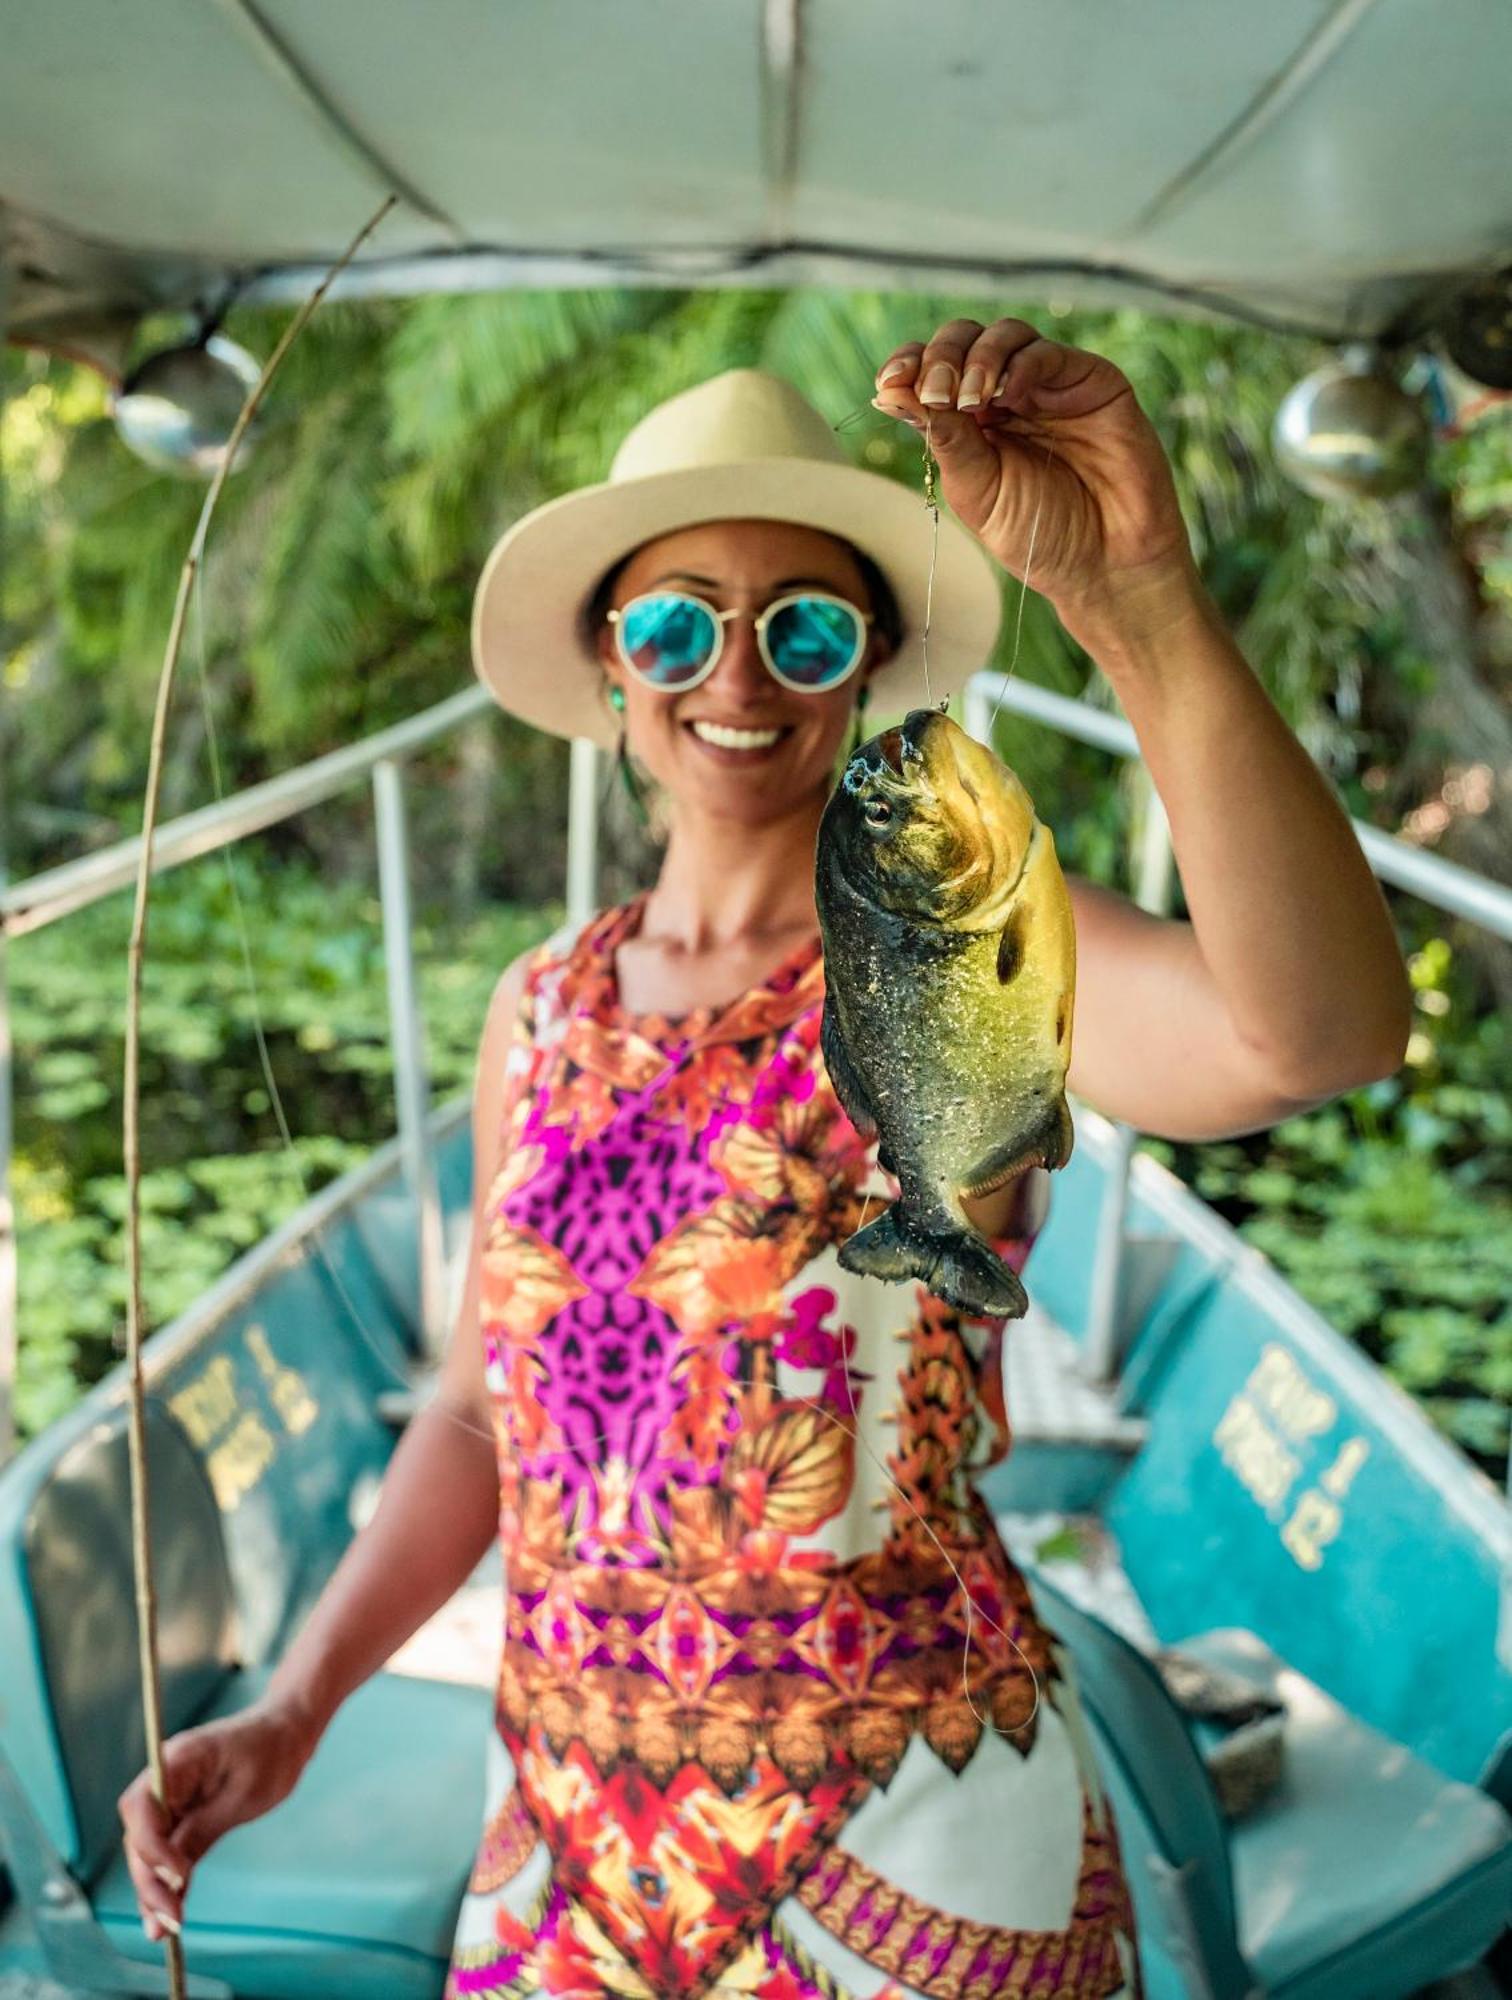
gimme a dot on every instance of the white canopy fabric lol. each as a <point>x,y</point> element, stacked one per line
<point>1340,165</point>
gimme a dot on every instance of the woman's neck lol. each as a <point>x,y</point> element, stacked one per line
<point>724,883</point>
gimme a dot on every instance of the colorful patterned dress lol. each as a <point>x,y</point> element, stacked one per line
<point>776,1717</point>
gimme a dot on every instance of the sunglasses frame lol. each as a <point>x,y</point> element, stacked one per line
<point>721,620</point>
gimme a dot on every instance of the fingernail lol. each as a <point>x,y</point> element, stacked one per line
<point>973,383</point>
<point>151,1927</point>
<point>175,1882</point>
<point>939,384</point>
<point>171,1924</point>
<point>891,373</point>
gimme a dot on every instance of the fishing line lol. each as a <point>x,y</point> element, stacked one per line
<point>932,502</point>
<point>931,472</point>
<point>318,1249</point>
<point>858,1436</point>
<point>637,1101</point>
<point>931,485</point>
<point>1018,623</point>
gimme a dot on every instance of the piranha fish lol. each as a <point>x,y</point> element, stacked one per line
<point>950,968</point>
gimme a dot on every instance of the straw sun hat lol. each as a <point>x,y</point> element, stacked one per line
<point>744,446</point>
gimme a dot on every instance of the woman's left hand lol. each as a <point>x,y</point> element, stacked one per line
<point>1035,438</point>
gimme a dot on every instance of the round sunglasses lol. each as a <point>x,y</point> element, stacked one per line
<point>672,640</point>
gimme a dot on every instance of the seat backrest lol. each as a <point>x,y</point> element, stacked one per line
<point>79,1580</point>
<point>1162,1770</point>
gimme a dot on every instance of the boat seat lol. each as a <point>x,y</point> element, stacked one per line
<point>1365,1875</point>
<point>351,1886</point>
<point>1413,1870</point>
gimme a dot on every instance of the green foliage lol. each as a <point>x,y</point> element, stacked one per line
<point>1391,1209</point>
<point>399,441</point>
<point>219,1178</point>
<point>401,438</point>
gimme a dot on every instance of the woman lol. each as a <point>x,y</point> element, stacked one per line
<point>776,1715</point>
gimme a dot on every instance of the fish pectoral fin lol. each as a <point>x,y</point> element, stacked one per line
<point>958,1267</point>
<point>1048,1145</point>
<point>1011,947</point>
<point>848,1088</point>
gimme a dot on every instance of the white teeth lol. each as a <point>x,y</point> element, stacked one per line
<point>735,739</point>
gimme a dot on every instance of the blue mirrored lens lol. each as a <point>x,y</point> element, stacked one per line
<point>814,642</point>
<point>668,638</point>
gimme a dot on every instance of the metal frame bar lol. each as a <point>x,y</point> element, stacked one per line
<point>42,899</point>
<point>407,1046</point>
<point>9,1274</point>
<point>1274,97</point>
<point>781,76</point>
<point>56,892</point>
<point>283,61</point>
<point>1443,883</point>
<point>802,261</point>
<point>582,830</point>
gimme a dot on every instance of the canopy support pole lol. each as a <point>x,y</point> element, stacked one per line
<point>582,831</point>
<point>407,1045</point>
<point>10,1338</point>
<point>1102,1356</point>
<point>10,1343</point>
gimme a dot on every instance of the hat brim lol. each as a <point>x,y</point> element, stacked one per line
<point>528,646</point>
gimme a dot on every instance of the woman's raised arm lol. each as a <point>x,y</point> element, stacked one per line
<point>1287,985</point>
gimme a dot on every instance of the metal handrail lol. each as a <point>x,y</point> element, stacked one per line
<point>56,892</point>
<point>1443,883</point>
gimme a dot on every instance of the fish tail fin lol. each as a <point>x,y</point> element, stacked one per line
<point>959,1268</point>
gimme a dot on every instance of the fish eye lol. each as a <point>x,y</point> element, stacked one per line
<point>877,812</point>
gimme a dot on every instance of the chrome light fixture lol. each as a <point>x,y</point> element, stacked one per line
<point>176,410</point>
<point>1350,431</point>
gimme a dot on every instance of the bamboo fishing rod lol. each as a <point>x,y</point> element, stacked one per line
<point>136,1395</point>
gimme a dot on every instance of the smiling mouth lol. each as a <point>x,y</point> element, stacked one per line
<point>723,737</point>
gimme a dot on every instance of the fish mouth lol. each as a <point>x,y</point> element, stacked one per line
<point>881,764</point>
<point>920,732</point>
<point>888,756</point>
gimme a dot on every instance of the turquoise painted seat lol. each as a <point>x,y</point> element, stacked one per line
<point>1366,1871</point>
<point>350,1887</point>
<point>1365,1875</point>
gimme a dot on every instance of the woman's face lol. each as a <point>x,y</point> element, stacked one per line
<point>740,565</point>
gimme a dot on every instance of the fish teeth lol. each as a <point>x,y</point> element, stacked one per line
<point>735,739</point>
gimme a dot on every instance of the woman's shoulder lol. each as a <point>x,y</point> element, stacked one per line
<point>541,984</point>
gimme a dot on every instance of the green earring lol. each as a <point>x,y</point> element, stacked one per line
<point>634,787</point>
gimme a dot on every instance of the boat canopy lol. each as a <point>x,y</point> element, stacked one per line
<point>1342,166</point>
